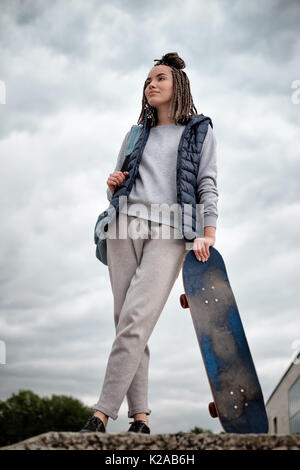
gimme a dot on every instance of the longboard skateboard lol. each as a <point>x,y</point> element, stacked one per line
<point>238,399</point>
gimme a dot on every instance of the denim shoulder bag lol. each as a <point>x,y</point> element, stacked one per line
<point>101,247</point>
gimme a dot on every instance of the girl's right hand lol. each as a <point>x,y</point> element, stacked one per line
<point>116,178</point>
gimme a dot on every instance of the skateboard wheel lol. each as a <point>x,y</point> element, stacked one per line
<point>183,301</point>
<point>212,409</point>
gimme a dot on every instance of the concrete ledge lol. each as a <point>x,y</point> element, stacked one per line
<point>134,441</point>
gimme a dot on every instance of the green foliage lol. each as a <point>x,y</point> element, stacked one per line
<point>25,415</point>
<point>197,430</point>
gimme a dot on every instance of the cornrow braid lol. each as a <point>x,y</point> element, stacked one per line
<point>182,106</point>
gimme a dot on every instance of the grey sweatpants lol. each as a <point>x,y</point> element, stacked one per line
<point>143,267</point>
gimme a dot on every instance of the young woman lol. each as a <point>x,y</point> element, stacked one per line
<point>143,268</point>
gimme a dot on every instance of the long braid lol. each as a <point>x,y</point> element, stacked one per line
<point>182,106</point>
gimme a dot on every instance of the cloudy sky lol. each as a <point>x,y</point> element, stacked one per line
<point>73,73</point>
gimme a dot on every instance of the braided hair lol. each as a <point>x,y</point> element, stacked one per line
<point>182,106</point>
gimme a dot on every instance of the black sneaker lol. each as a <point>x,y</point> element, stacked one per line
<point>139,426</point>
<point>93,424</point>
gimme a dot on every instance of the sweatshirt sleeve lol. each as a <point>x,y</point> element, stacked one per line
<point>120,161</point>
<point>207,179</point>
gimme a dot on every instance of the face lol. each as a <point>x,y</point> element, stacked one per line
<point>160,81</point>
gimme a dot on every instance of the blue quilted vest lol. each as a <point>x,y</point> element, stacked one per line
<point>188,159</point>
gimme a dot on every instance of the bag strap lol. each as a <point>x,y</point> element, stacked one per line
<point>135,133</point>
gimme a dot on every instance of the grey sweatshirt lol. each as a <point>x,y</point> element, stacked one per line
<point>156,180</point>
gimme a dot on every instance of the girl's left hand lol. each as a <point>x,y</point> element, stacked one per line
<point>201,247</point>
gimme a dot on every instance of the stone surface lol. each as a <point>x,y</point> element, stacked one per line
<point>139,441</point>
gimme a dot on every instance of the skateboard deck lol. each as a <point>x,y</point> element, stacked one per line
<point>238,399</point>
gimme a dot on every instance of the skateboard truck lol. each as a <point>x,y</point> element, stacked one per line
<point>183,301</point>
<point>212,409</point>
